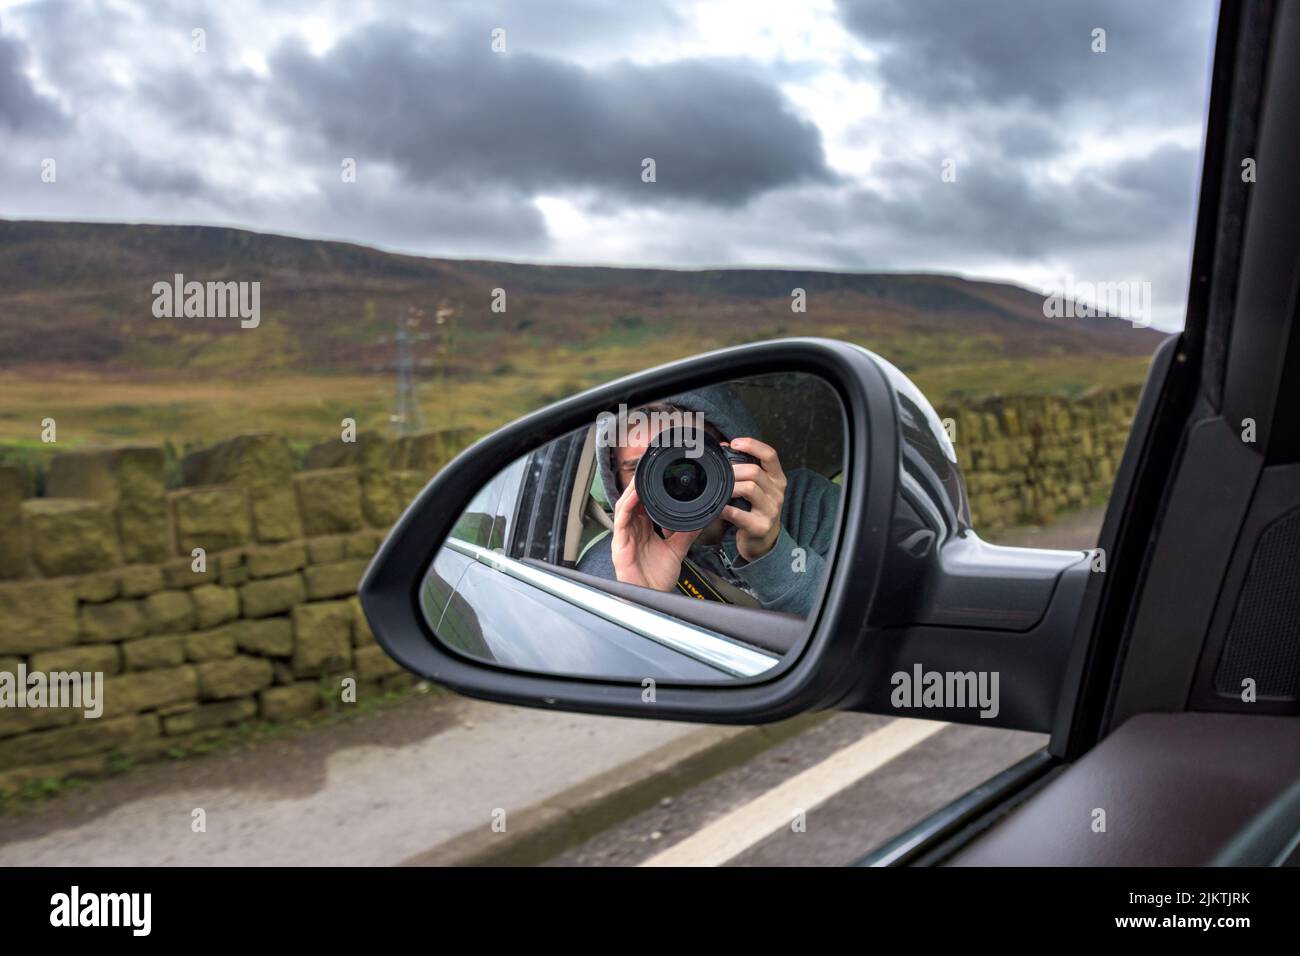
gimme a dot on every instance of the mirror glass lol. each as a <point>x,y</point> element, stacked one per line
<point>684,539</point>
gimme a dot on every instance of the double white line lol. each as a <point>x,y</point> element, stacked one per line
<point>728,837</point>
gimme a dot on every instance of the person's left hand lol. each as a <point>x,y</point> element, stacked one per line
<point>763,486</point>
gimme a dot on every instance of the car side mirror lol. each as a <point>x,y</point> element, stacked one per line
<point>617,552</point>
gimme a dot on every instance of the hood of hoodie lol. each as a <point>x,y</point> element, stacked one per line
<point>720,406</point>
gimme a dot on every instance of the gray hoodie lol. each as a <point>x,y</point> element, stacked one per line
<point>788,577</point>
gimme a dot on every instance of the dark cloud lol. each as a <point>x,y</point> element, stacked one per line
<point>1015,88</point>
<point>70,41</point>
<point>149,178</point>
<point>1161,186</point>
<point>424,218</point>
<point>1003,210</point>
<point>452,112</point>
<point>1038,53</point>
<point>194,101</point>
<point>1027,139</point>
<point>22,108</point>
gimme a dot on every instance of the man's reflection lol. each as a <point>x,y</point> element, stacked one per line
<point>772,556</point>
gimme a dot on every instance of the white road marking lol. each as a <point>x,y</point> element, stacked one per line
<point>728,837</point>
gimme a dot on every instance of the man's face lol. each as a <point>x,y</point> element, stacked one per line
<point>627,455</point>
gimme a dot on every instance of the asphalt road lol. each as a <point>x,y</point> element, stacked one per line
<point>717,823</point>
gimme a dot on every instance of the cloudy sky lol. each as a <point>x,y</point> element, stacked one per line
<point>810,134</point>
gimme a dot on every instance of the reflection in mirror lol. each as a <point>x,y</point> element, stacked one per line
<point>683,539</point>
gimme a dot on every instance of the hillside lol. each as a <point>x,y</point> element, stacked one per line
<point>79,341</point>
<point>81,294</point>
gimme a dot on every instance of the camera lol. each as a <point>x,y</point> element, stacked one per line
<point>685,479</point>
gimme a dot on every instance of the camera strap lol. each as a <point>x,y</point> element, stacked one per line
<point>706,585</point>
<point>693,583</point>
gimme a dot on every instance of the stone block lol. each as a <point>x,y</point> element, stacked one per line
<point>382,498</point>
<point>152,653</point>
<point>322,637</point>
<point>148,690</point>
<point>291,701</point>
<point>104,659</point>
<point>113,621</point>
<point>15,537</point>
<point>232,576</point>
<point>210,645</point>
<point>330,501</point>
<point>370,452</point>
<point>140,580</point>
<point>181,572</point>
<point>361,633</point>
<point>168,611</point>
<point>79,739</point>
<point>156,746</point>
<point>274,560</point>
<point>213,518</point>
<point>214,605</point>
<point>271,595</point>
<point>275,513</point>
<point>363,544</point>
<point>238,676</point>
<point>98,588</point>
<point>25,720</point>
<point>373,663</point>
<point>37,616</point>
<point>209,716</point>
<point>70,535</point>
<point>325,550</point>
<point>334,580</point>
<point>265,637</point>
<point>429,451</point>
<point>14,781</point>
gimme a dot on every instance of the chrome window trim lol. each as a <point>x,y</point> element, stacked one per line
<point>704,646</point>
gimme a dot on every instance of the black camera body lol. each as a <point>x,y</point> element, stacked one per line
<point>685,479</point>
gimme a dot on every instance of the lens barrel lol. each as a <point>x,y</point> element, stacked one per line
<point>685,479</point>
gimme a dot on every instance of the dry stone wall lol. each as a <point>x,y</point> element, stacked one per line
<point>231,598</point>
<point>1028,458</point>
<point>100,575</point>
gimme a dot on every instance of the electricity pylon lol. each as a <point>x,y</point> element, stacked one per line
<point>407,418</point>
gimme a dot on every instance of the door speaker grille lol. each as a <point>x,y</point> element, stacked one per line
<point>1263,640</point>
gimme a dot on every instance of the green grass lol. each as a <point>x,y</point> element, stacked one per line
<point>114,407</point>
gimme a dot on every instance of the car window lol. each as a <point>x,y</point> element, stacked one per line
<point>487,519</point>
<point>265,274</point>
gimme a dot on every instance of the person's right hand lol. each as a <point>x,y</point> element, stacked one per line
<point>641,556</point>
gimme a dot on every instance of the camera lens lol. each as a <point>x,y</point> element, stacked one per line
<point>684,480</point>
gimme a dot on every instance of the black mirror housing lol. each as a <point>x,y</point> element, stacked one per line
<point>828,667</point>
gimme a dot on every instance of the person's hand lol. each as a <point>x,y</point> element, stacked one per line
<point>763,486</point>
<point>641,556</point>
